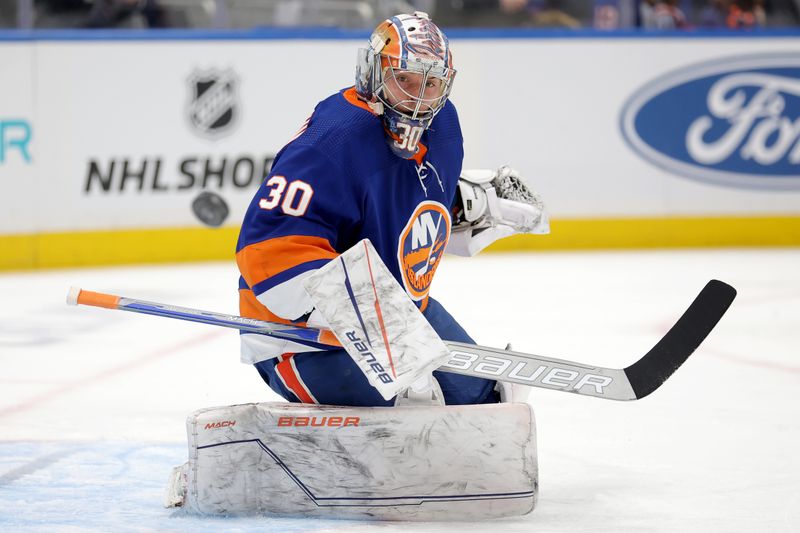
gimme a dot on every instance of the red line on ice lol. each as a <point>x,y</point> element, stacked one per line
<point>105,374</point>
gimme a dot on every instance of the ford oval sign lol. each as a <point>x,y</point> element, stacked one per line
<point>733,121</point>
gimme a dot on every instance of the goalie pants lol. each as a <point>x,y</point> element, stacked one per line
<point>333,378</point>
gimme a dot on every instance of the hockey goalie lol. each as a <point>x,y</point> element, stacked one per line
<point>346,233</point>
<point>392,411</point>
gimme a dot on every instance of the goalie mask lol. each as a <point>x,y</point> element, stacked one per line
<point>406,75</point>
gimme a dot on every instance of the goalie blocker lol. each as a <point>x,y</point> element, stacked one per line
<point>400,463</point>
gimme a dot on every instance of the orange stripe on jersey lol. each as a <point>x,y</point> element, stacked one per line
<point>420,155</point>
<point>261,260</point>
<point>288,373</point>
<point>250,307</point>
<point>352,97</point>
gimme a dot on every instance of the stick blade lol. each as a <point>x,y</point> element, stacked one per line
<point>691,329</point>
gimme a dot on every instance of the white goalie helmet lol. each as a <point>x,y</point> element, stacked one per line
<point>406,74</point>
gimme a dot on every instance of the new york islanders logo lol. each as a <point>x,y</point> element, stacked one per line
<point>421,246</point>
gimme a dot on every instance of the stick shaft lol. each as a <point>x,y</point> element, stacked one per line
<point>312,337</point>
<point>631,383</point>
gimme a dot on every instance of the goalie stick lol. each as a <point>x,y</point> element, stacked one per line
<point>631,383</point>
<point>321,339</point>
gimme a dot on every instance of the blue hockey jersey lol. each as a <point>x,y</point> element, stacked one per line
<point>338,182</point>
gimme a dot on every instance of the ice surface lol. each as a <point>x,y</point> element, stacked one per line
<point>93,402</point>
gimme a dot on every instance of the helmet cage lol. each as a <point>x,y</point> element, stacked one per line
<point>410,43</point>
<point>421,99</point>
<point>374,70</point>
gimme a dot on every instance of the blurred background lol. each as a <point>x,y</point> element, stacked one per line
<point>573,14</point>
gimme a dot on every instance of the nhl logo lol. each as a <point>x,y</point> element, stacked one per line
<point>213,104</point>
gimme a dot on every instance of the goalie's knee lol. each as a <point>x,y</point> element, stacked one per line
<point>466,390</point>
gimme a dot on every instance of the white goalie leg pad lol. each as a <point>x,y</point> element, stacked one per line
<point>384,463</point>
<point>175,495</point>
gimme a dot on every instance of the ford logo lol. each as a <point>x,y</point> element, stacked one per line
<point>733,121</point>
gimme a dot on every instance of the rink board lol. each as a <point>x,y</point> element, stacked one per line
<point>90,248</point>
<point>102,169</point>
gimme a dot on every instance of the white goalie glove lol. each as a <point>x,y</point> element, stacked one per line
<point>491,205</point>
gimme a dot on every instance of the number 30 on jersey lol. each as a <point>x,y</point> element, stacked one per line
<point>293,199</point>
<point>409,137</point>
